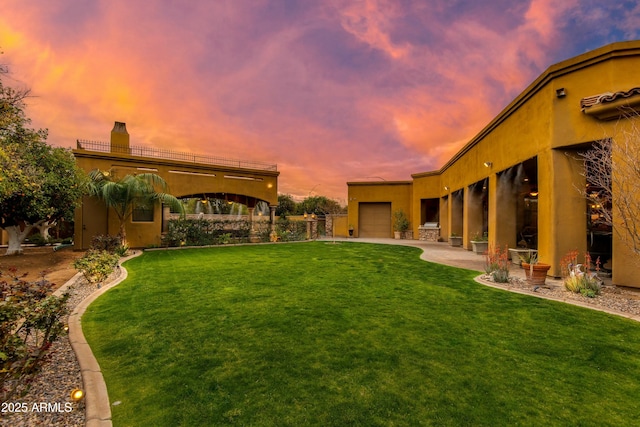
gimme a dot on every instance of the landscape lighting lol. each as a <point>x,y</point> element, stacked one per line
<point>77,394</point>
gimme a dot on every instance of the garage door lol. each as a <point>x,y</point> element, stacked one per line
<point>375,220</point>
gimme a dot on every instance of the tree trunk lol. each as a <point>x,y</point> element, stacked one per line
<point>16,237</point>
<point>123,234</point>
<point>45,227</point>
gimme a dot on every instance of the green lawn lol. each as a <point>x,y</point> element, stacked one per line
<point>351,334</point>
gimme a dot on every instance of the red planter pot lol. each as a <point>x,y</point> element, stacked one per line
<point>536,273</point>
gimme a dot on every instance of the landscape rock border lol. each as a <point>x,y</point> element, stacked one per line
<point>97,405</point>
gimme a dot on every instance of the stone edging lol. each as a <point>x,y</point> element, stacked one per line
<point>480,280</point>
<point>97,405</point>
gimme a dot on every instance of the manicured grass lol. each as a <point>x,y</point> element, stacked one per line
<point>351,334</point>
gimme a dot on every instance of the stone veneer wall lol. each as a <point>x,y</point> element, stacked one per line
<point>429,234</point>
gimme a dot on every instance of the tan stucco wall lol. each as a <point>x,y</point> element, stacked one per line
<point>537,124</point>
<point>398,193</point>
<point>193,179</point>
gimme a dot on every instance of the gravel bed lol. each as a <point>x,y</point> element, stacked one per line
<point>612,298</point>
<point>61,373</point>
<point>46,401</point>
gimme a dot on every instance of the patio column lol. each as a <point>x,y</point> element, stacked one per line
<point>502,212</point>
<point>472,216</point>
<point>442,219</point>
<point>251,218</point>
<point>272,217</point>
<point>562,219</point>
<point>456,213</point>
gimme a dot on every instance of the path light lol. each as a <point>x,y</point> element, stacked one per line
<point>77,395</point>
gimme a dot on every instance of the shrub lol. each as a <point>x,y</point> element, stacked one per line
<point>400,221</point>
<point>104,242</point>
<point>37,239</point>
<point>96,265</point>
<point>202,232</point>
<point>30,320</point>
<point>290,231</point>
<point>579,278</point>
<point>497,264</point>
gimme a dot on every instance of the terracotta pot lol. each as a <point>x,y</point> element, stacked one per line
<point>536,273</point>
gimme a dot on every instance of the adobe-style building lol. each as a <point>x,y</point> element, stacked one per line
<point>518,180</point>
<point>186,174</point>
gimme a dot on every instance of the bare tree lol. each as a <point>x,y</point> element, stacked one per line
<point>612,171</point>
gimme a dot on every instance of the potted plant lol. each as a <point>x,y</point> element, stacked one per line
<point>518,253</point>
<point>480,243</point>
<point>536,272</point>
<point>400,224</point>
<point>455,240</point>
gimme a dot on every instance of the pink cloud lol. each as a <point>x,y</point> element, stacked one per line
<point>331,92</point>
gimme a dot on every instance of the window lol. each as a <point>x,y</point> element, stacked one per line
<point>142,213</point>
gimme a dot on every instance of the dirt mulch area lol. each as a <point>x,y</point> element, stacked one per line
<point>58,264</point>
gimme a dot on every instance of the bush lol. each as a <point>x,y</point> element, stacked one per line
<point>30,320</point>
<point>203,232</point>
<point>579,278</point>
<point>37,239</point>
<point>290,231</point>
<point>497,264</point>
<point>96,265</point>
<point>400,221</point>
<point>104,242</point>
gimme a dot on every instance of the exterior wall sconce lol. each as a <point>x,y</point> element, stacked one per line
<point>561,93</point>
<point>488,164</point>
<point>446,188</point>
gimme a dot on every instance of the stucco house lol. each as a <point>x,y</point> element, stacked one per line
<point>518,180</point>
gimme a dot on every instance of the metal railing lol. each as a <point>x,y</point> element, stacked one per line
<point>156,153</point>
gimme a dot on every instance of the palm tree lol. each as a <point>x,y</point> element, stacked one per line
<point>122,194</point>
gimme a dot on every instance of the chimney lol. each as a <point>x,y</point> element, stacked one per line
<point>120,138</point>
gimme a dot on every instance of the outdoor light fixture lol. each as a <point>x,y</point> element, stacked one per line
<point>534,193</point>
<point>560,93</point>
<point>446,188</point>
<point>77,394</point>
<point>488,164</point>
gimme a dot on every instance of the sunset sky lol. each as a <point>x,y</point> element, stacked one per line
<point>332,90</point>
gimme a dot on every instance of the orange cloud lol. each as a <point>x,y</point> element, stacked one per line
<point>330,91</point>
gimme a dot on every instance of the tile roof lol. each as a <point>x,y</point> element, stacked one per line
<point>603,98</point>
